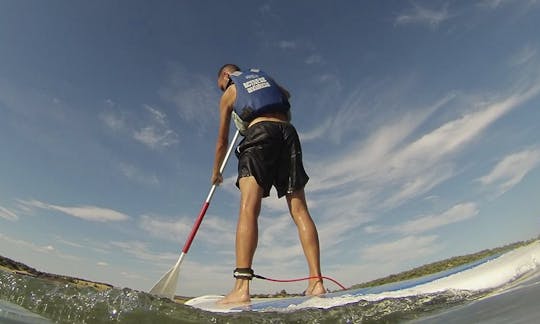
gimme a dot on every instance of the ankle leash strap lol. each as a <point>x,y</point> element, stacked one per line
<point>243,273</point>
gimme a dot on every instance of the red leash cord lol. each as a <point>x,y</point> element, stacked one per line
<point>300,279</point>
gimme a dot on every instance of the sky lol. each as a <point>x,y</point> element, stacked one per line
<point>418,121</point>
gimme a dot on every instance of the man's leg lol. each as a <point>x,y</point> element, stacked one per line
<point>246,236</point>
<point>307,231</point>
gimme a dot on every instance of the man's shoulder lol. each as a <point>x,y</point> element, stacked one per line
<point>229,96</point>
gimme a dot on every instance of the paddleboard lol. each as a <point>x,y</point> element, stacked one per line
<point>285,304</point>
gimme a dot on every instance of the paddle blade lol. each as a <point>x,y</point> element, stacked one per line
<point>166,286</point>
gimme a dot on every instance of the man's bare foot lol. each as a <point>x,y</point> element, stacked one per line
<point>235,297</point>
<point>239,294</point>
<point>315,288</point>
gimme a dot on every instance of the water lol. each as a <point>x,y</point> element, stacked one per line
<point>12,313</point>
<point>504,290</point>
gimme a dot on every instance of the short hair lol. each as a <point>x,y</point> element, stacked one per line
<point>228,66</point>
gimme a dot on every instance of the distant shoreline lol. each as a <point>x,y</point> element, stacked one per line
<point>9,265</point>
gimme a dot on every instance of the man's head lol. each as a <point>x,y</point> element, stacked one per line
<point>223,75</point>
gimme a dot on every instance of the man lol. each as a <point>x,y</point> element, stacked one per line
<point>270,154</point>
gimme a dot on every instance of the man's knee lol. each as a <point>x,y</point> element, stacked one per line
<point>251,196</point>
<point>297,203</point>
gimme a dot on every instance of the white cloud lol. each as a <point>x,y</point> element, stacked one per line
<point>89,213</point>
<point>437,147</point>
<point>404,249</point>
<point>416,182</point>
<point>152,137</point>
<point>131,275</point>
<point>113,120</point>
<point>524,55</point>
<point>314,59</point>
<point>457,213</point>
<point>377,159</point>
<point>135,248</point>
<point>193,97</point>
<point>273,204</point>
<point>8,214</point>
<point>173,230</point>
<point>367,101</point>
<point>135,174</point>
<point>495,4</point>
<point>424,16</point>
<point>68,243</point>
<point>158,116</point>
<point>318,132</point>
<point>141,251</point>
<point>42,249</point>
<point>152,131</point>
<point>276,228</point>
<point>287,45</point>
<point>394,164</point>
<point>216,229</point>
<point>157,134</point>
<point>109,102</point>
<point>265,8</point>
<point>454,134</point>
<point>49,248</point>
<point>511,170</point>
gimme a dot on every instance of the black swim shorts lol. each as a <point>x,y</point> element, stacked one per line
<point>271,152</point>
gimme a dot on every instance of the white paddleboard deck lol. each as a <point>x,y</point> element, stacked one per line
<point>210,303</point>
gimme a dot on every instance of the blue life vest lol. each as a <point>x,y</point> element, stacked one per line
<point>257,93</point>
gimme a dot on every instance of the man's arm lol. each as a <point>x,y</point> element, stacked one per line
<point>225,109</point>
<point>288,95</point>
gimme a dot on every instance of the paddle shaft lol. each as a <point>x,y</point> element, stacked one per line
<point>200,218</point>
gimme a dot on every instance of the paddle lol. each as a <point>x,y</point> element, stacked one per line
<point>166,286</point>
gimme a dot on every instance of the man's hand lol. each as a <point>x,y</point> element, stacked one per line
<point>217,178</point>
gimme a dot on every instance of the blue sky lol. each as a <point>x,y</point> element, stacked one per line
<point>419,122</point>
